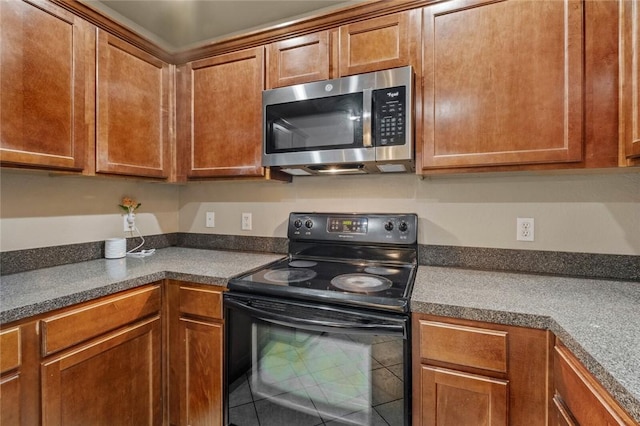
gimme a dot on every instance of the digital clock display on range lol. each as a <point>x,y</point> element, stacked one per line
<point>351,225</point>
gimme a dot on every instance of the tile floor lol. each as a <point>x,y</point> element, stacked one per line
<point>318,379</point>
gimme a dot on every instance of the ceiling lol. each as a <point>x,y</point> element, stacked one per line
<point>178,25</point>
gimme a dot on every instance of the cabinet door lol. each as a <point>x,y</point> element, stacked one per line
<point>298,60</point>
<point>582,396</point>
<point>454,398</point>
<point>502,83</point>
<point>220,121</point>
<point>201,378</point>
<point>630,78</point>
<point>380,43</point>
<point>114,380</point>
<point>196,354</point>
<point>133,110</point>
<point>10,360</point>
<point>46,71</point>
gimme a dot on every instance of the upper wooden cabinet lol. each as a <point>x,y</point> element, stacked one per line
<point>372,45</point>
<point>380,43</point>
<point>220,115</point>
<point>630,81</point>
<point>134,110</point>
<point>46,99</point>
<point>298,60</point>
<point>503,83</point>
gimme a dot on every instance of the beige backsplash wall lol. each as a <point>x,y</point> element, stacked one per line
<point>596,213</point>
<point>38,210</point>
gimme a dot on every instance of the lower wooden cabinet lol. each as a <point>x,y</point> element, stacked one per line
<point>475,373</point>
<point>195,354</point>
<point>10,376</point>
<point>114,380</point>
<point>579,399</point>
<point>456,398</point>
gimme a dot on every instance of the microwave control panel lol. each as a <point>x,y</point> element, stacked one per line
<point>389,116</point>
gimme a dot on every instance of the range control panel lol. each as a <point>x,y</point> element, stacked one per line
<point>401,229</point>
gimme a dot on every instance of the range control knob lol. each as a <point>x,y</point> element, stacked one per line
<point>297,223</point>
<point>309,223</point>
<point>403,226</point>
<point>388,226</point>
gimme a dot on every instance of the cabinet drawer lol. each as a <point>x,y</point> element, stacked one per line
<point>588,402</point>
<point>201,301</point>
<point>75,326</point>
<point>10,347</point>
<point>462,345</point>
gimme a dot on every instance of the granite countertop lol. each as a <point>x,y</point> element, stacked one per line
<point>599,320</point>
<point>35,292</point>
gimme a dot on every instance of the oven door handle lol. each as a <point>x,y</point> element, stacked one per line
<point>315,324</point>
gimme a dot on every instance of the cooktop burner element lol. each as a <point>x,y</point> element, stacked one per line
<point>302,263</point>
<point>286,276</point>
<point>361,283</point>
<point>343,259</point>
<point>380,270</point>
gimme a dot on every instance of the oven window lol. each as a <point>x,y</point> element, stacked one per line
<point>301,377</point>
<point>315,124</point>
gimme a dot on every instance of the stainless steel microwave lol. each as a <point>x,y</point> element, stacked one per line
<point>356,124</point>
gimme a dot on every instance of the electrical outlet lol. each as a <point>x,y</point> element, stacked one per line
<point>246,221</point>
<point>525,229</point>
<point>210,221</point>
<point>129,225</point>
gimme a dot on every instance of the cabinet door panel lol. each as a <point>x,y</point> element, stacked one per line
<point>115,380</point>
<point>133,110</point>
<point>503,83</point>
<point>45,65</point>
<point>583,396</point>
<point>298,60</point>
<point>453,398</point>
<point>630,78</point>
<point>202,374</point>
<point>10,400</point>
<point>222,115</point>
<point>379,43</point>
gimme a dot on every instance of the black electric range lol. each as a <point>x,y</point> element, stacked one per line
<point>359,260</point>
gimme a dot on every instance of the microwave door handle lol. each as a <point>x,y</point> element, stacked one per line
<point>367,107</point>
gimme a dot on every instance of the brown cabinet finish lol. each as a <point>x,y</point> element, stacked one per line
<point>82,323</point>
<point>454,398</point>
<point>19,361</point>
<point>298,60</point>
<point>134,110</point>
<point>380,43</point>
<point>10,359</point>
<point>581,396</point>
<point>503,83</point>
<point>220,117</point>
<point>630,81</point>
<point>457,365</point>
<point>46,75</point>
<point>115,379</point>
<point>196,354</point>
<point>468,346</point>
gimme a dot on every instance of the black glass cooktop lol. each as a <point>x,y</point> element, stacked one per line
<point>365,283</point>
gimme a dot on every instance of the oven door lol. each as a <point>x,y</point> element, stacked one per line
<point>293,363</point>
